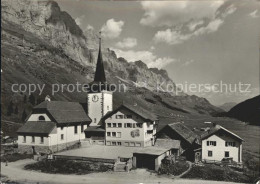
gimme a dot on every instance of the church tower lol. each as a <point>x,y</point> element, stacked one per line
<point>100,97</point>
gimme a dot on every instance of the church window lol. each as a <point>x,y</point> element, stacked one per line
<point>42,140</point>
<point>82,128</point>
<point>41,118</point>
<point>75,129</point>
<point>33,139</point>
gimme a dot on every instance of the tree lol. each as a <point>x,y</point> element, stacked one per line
<point>24,99</point>
<point>16,110</point>
<point>10,109</point>
<point>32,99</point>
<point>24,115</point>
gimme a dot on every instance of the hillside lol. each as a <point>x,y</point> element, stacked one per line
<point>227,106</point>
<point>43,45</point>
<point>247,111</point>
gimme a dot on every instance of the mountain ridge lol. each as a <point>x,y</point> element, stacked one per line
<point>39,47</point>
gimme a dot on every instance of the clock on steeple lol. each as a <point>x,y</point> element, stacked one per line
<point>100,96</point>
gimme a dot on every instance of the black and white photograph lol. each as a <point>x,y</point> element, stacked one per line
<point>130,92</point>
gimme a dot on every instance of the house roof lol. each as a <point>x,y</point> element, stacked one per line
<point>183,131</point>
<point>145,114</point>
<point>37,127</point>
<point>216,129</point>
<point>64,112</point>
<point>151,150</point>
<point>94,129</point>
<point>167,143</point>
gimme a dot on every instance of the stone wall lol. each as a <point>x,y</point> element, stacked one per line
<point>48,149</point>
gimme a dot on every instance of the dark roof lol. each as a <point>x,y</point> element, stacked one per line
<point>216,129</point>
<point>168,143</point>
<point>94,129</point>
<point>100,71</point>
<point>183,131</point>
<point>64,112</point>
<point>145,114</point>
<point>37,127</point>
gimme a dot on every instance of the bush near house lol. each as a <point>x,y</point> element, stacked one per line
<point>217,173</point>
<point>176,168</point>
<point>69,166</point>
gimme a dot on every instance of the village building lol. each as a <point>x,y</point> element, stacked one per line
<point>189,140</point>
<point>53,126</point>
<point>125,135</point>
<point>130,125</point>
<point>219,143</point>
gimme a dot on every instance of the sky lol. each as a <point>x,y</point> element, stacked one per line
<point>207,43</point>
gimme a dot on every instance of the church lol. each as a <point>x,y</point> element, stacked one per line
<point>53,126</point>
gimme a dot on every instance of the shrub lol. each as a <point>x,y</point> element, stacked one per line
<point>68,166</point>
<point>176,168</point>
<point>217,173</point>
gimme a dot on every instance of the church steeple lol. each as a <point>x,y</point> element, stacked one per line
<point>100,72</point>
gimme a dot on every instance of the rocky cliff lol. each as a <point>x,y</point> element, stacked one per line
<point>43,45</point>
<point>45,20</point>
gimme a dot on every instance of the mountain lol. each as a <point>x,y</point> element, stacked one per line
<point>43,45</point>
<point>227,106</point>
<point>248,111</point>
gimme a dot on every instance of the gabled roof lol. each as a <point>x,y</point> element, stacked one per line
<point>64,112</point>
<point>143,113</point>
<point>216,129</point>
<point>94,129</point>
<point>37,127</point>
<point>168,143</point>
<point>183,131</point>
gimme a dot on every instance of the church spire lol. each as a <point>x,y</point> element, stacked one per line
<point>100,72</point>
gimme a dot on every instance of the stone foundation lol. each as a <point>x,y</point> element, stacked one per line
<point>28,149</point>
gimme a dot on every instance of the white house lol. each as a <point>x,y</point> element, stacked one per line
<point>130,125</point>
<point>219,143</point>
<point>53,126</point>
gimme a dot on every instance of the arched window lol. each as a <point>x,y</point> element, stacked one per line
<point>41,118</point>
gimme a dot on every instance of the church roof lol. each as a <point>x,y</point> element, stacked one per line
<point>37,127</point>
<point>64,112</point>
<point>99,83</point>
<point>100,71</point>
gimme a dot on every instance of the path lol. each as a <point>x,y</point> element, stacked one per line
<point>15,172</point>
